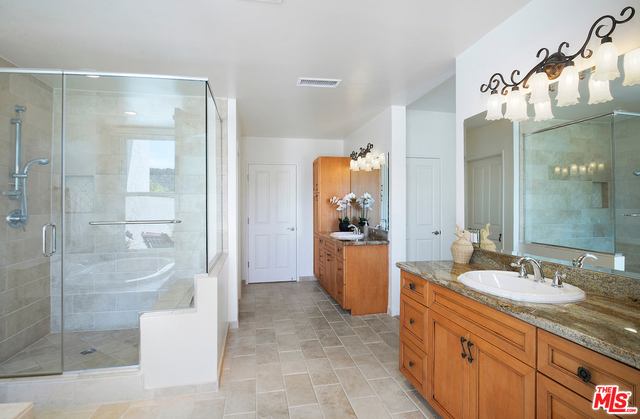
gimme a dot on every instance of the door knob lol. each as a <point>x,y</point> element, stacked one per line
<point>291,228</point>
<point>437,233</point>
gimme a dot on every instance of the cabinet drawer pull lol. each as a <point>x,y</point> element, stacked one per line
<point>584,374</point>
<point>410,364</point>
<point>469,345</point>
<point>462,341</point>
<point>410,321</point>
<point>412,286</point>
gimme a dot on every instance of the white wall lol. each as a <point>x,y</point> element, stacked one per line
<point>387,133</point>
<point>232,211</point>
<point>302,153</point>
<point>432,134</point>
<point>514,44</point>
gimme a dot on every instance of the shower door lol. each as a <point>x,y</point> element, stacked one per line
<point>30,244</point>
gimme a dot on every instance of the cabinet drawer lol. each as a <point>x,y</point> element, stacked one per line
<point>556,401</point>
<point>330,246</point>
<point>512,335</point>
<point>321,256</point>
<point>413,321</point>
<point>413,364</point>
<point>415,287</point>
<point>560,359</point>
<point>321,241</point>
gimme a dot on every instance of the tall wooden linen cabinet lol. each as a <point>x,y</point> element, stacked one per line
<point>331,177</point>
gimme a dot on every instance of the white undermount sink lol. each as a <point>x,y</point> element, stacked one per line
<point>346,235</point>
<point>508,285</point>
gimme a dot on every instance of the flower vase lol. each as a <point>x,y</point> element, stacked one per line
<point>343,226</point>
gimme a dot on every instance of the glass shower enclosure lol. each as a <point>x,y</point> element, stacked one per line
<point>104,181</point>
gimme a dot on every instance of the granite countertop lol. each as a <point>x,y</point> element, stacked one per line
<point>362,242</point>
<point>601,323</point>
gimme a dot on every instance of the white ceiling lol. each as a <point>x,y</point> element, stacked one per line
<point>386,52</point>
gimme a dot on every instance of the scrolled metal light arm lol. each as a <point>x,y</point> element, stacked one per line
<point>553,64</point>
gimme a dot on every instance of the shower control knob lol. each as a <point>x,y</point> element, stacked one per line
<point>437,233</point>
<point>291,228</point>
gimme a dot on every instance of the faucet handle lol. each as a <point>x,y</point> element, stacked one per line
<point>557,279</point>
<point>523,271</point>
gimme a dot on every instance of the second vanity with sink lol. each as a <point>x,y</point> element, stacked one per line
<point>471,354</point>
<point>354,272</point>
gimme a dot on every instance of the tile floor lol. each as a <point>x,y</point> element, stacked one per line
<point>113,348</point>
<point>295,354</point>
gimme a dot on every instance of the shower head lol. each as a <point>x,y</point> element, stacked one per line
<point>39,161</point>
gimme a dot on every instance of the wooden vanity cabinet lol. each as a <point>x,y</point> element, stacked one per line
<point>356,276</point>
<point>476,362</point>
<point>461,342</point>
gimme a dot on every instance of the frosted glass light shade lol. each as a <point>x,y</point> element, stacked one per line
<point>606,61</point>
<point>376,163</point>
<point>632,67</point>
<point>353,165</point>
<point>598,91</point>
<point>361,163</point>
<point>539,84</point>
<point>494,106</point>
<point>383,158</point>
<point>367,167</point>
<point>568,84</point>
<point>516,106</point>
<point>543,111</point>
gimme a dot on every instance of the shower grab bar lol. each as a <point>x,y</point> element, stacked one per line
<point>631,215</point>
<point>117,223</point>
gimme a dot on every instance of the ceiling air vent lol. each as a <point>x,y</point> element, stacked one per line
<point>306,81</point>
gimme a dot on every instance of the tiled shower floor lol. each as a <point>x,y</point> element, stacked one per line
<point>113,348</point>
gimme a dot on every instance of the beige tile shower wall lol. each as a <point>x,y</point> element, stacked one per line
<point>24,273</point>
<point>627,189</point>
<point>573,209</point>
<point>107,283</point>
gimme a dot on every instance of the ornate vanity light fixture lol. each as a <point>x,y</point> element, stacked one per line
<point>560,65</point>
<point>365,160</point>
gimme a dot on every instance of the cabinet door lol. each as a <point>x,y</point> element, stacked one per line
<point>448,371</point>
<point>316,256</point>
<point>330,273</point>
<point>501,386</point>
<point>555,401</point>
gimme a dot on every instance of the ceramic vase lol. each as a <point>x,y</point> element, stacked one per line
<point>343,226</point>
<point>462,249</point>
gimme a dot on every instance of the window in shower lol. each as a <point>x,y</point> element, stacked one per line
<point>150,193</point>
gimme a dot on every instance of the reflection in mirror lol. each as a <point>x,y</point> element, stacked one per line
<point>489,184</point>
<point>376,183</point>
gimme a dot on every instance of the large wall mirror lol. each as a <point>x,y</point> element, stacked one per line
<point>376,183</point>
<point>577,180</point>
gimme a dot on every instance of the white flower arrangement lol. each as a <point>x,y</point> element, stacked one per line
<point>365,202</point>
<point>343,205</point>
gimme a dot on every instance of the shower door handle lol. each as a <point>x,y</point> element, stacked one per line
<point>44,239</point>
<point>631,215</point>
<point>117,223</point>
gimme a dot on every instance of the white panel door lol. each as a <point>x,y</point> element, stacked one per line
<point>485,196</point>
<point>424,206</point>
<point>272,223</point>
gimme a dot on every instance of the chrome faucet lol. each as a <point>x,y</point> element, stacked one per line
<point>577,262</point>
<point>356,229</point>
<point>557,279</point>
<point>537,268</point>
